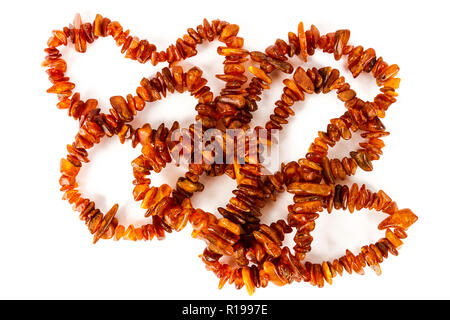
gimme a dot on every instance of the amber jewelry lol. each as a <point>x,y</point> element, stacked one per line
<point>94,124</point>
<point>243,210</point>
<point>256,249</point>
<point>310,197</point>
<point>170,215</point>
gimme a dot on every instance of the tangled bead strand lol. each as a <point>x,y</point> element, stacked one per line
<point>256,250</point>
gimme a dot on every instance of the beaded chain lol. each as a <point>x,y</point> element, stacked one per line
<point>255,252</point>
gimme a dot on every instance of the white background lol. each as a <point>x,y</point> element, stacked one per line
<point>46,252</point>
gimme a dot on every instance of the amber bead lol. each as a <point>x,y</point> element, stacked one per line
<point>362,159</point>
<point>400,219</point>
<point>341,40</point>
<point>273,274</point>
<point>61,87</point>
<point>260,74</point>
<point>120,105</point>
<point>309,189</point>
<point>302,42</point>
<point>109,216</point>
<point>327,273</point>
<point>303,81</point>
<point>247,278</point>
<point>299,94</point>
<point>396,242</point>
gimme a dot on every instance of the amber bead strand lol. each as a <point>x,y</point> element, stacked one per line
<point>261,76</point>
<point>286,268</point>
<point>93,128</point>
<point>232,110</point>
<point>241,204</point>
<point>206,111</point>
<point>346,91</point>
<point>190,184</point>
<point>80,34</point>
<point>156,147</point>
<point>165,219</point>
<point>244,208</point>
<point>274,60</point>
<point>376,202</point>
<point>150,91</point>
<point>103,226</point>
<point>240,234</point>
<point>156,144</point>
<point>302,216</point>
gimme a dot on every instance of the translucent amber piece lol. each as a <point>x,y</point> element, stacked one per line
<point>54,42</point>
<point>139,234</point>
<point>318,275</point>
<point>189,186</point>
<point>273,274</point>
<point>98,25</point>
<point>234,68</point>
<point>271,248</point>
<point>260,74</point>
<point>120,105</point>
<point>309,164</point>
<point>302,42</point>
<point>229,31</point>
<point>341,40</point>
<point>362,159</point>
<point>162,192</point>
<point>303,81</point>
<point>308,206</point>
<point>293,86</point>
<point>193,77</point>
<point>140,191</point>
<point>338,267</point>
<point>396,242</point>
<point>393,83</point>
<point>110,231</point>
<point>344,262</point>
<point>400,233</point>
<point>353,263</point>
<point>60,35</point>
<point>236,100</point>
<point>327,274</point>
<point>337,169</point>
<point>61,87</point>
<point>347,95</point>
<point>224,51</point>
<point>130,233</point>
<point>361,64</point>
<point>401,219</point>
<point>230,226</point>
<point>56,64</point>
<point>109,216</point>
<point>148,198</point>
<point>95,222</point>
<point>68,168</point>
<point>120,231</point>
<point>388,73</point>
<point>248,282</point>
<point>309,189</point>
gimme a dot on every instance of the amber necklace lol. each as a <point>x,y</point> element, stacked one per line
<point>256,249</point>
